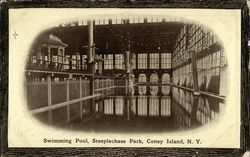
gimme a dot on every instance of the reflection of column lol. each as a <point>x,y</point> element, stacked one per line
<point>147,106</point>
<point>136,106</point>
<point>67,98</point>
<point>81,107</point>
<point>194,110</point>
<point>128,108</point>
<point>160,106</point>
<point>114,107</point>
<point>195,73</point>
<point>49,99</point>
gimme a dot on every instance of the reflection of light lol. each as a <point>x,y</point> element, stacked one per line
<point>119,105</point>
<point>108,106</point>
<point>133,106</point>
<point>96,107</point>
<point>165,90</point>
<point>165,107</point>
<point>142,106</point>
<point>154,107</point>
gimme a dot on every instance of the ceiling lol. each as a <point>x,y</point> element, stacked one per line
<point>115,38</point>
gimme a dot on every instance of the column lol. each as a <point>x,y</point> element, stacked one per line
<point>91,63</point>
<point>136,61</point>
<point>148,87</point>
<point>160,84</point>
<point>136,86</point>
<point>90,52</point>
<point>70,62</point>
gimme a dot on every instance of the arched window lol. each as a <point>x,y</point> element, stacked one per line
<point>142,79</point>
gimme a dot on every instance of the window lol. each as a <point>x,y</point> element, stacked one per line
<point>166,60</point>
<point>142,61</point>
<point>84,61</point>
<point>73,61</point>
<point>108,61</point>
<point>154,61</point>
<point>119,61</point>
<point>78,61</point>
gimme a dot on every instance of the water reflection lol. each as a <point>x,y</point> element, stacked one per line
<point>174,110</point>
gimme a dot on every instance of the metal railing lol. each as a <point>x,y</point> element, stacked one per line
<point>45,97</point>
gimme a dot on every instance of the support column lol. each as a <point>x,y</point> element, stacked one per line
<point>148,87</point>
<point>103,61</point>
<point>160,84</point>
<point>136,61</point>
<point>136,86</point>
<point>81,64</point>
<point>70,62</point>
<point>127,67</point>
<point>195,73</point>
<point>90,53</point>
<point>91,63</point>
<point>160,56</point>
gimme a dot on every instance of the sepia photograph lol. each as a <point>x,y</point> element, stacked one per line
<point>124,77</point>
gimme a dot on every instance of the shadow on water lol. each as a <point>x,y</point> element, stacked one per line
<point>173,110</point>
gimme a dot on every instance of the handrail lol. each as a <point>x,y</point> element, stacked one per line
<point>202,92</point>
<point>106,88</point>
<point>52,107</point>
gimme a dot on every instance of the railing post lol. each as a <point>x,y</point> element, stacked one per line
<point>68,106</point>
<point>80,79</point>
<point>49,99</point>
